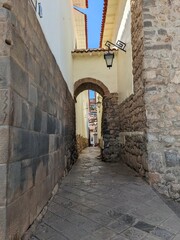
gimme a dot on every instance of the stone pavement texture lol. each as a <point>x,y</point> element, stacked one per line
<point>106,201</point>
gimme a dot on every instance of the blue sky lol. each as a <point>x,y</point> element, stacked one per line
<point>94,16</point>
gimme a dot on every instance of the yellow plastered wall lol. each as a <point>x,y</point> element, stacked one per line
<point>82,114</point>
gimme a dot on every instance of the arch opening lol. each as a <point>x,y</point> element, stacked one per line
<point>89,114</point>
<point>92,84</point>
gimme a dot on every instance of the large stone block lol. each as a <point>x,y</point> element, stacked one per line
<point>3,175</point>
<point>25,115</point>
<point>31,116</point>
<point>13,181</point>
<point>40,169</point>
<point>44,122</point>
<point>18,216</point>
<point>4,107</point>
<point>2,222</point>
<point>24,144</point>
<point>17,109</point>
<point>172,158</point>
<point>26,175</point>
<point>37,120</point>
<point>33,94</point>
<point>4,72</point>
<point>43,147</point>
<point>19,81</point>
<point>51,125</point>
<point>4,37</point>
<point>4,144</point>
<point>18,49</point>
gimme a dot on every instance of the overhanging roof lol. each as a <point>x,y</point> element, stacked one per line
<point>91,51</point>
<point>112,16</point>
<point>80,3</point>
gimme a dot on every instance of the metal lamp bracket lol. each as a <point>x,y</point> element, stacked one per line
<point>119,44</point>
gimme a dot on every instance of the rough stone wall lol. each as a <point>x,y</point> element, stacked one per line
<point>162,92</point>
<point>82,143</point>
<point>132,114</point>
<point>110,127</point>
<point>37,144</point>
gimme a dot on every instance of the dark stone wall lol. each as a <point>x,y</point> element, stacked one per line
<point>5,77</point>
<point>40,121</point>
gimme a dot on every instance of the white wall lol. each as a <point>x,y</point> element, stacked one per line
<point>82,114</point>
<point>57,24</point>
<point>125,75</point>
<point>94,66</point>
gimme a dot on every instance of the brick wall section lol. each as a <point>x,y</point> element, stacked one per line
<point>41,122</point>
<point>162,93</point>
<point>132,111</point>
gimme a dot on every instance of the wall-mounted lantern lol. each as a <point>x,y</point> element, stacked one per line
<point>109,56</point>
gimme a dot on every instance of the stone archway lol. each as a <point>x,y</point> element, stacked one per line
<point>110,115</point>
<point>90,83</point>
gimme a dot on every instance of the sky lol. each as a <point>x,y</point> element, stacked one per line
<point>94,20</point>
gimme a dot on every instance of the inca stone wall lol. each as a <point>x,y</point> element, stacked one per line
<point>37,144</point>
<point>132,112</point>
<point>162,92</point>
<point>4,114</point>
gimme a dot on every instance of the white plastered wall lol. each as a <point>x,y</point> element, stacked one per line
<point>82,109</point>
<point>58,26</point>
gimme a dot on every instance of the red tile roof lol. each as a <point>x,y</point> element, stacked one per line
<point>86,31</point>
<point>103,21</point>
<point>92,50</point>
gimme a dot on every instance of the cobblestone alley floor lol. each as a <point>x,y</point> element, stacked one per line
<point>106,201</point>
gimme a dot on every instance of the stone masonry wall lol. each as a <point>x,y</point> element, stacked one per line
<point>82,143</point>
<point>37,115</point>
<point>162,93</point>
<point>110,127</point>
<point>132,112</point>
<point>149,119</point>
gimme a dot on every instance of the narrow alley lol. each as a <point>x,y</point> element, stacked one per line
<point>103,201</point>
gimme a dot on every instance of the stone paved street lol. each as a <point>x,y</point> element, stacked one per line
<point>106,201</point>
